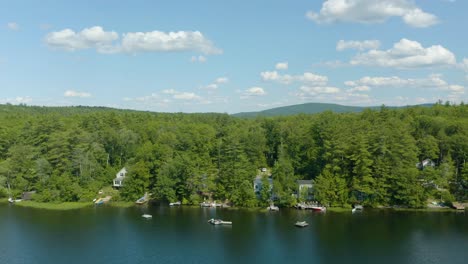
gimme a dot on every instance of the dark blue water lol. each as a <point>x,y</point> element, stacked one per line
<point>182,235</point>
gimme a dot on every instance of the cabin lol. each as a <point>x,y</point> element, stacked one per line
<point>26,196</point>
<point>258,184</point>
<point>425,163</point>
<point>120,177</point>
<point>305,187</point>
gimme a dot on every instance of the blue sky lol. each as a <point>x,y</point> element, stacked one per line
<point>232,56</point>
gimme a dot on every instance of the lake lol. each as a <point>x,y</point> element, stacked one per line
<point>182,235</point>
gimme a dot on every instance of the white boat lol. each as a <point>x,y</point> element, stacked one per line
<point>175,203</point>
<point>273,208</point>
<point>301,224</point>
<point>219,222</point>
<point>357,208</point>
<point>147,216</point>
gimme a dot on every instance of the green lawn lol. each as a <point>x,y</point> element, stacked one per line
<point>54,206</point>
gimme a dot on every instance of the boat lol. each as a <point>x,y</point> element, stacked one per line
<point>147,216</point>
<point>143,199</point>
<point>175,204</point>
<point>219,222</point>
<point>102,200</point>
<point>301,224</point>
<point>318,208</point>
<point>273,208</point>
<point>357,208</point>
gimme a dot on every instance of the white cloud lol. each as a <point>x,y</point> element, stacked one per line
<point>17,100</point>
<point>186,96</point>
<point>182,95</point>
<point>281,66</point>
<point>464,66</point>
<point>406,54</point>
<point>71,93</point>
<point>372,11</point>
<point>253,91</point>
<point>131,42</point>
<point>358,45</point>
<point>221,80</point>
<point>158,41</point>
<point>13,26</point>
<point>319,90</point>
<point>211,86</point>
<point>307,77</point>
<point>94,37</point>
<point>433,81</point>
<point>362,88</point>
<point>215,85</point>
<point>169,91</point>
<point>200,59</point>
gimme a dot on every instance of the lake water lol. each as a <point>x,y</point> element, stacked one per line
<point>182,235</point>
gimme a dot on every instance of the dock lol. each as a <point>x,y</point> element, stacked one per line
<point>219,222</point>
<point>458,206</point>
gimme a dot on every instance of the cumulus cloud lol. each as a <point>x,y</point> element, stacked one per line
<point>433,81</point>
<point>158,41</point>
<point>71,93</point>
<point>13,26</point>
<point>253,92</point>
<point>17,100</point>
<point>186,96</point>
<point>358,45</point>
<point>307,77</point>
<point>200,59</point>
<point>406,54</point>
<point>221,80</point>
<point>131,42</point>
<point>362,88</point>
<point>319,90</point>
<point>94,37</point>
<point>281,66</point>
<point>372,11</point>
<point>464,66</point>
<point>182,95</point>
<point>215,85</point>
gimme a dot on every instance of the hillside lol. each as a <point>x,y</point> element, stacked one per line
<point>308,108</point>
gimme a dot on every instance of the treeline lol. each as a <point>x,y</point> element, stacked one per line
<point>69,153</point>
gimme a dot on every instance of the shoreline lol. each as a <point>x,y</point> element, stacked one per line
<point>63,206</point>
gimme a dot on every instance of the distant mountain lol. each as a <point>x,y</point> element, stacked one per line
<point>310,108</point>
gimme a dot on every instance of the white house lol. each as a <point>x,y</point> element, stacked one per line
<point>425,163</point>
<point>305,187</point>
<point>120,177</point>
<point>258,184</point>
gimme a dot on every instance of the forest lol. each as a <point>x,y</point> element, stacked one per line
<point>371,158</point>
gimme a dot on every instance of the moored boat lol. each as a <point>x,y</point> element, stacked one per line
<point>147,216</point>
<point>143,199</point>
<point>318,208</point>
<point>219,222</point>
<point>175,203</point>
<point>273,208</point>
<point>357,208</point>
<point>301,224</point>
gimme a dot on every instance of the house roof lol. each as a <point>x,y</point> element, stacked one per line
<point>304,182</point>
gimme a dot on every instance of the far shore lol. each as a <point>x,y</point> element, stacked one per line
<point>122,204</point>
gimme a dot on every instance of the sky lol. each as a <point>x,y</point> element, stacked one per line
<point>232,56</point>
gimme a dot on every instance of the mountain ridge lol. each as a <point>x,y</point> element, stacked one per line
<point>314,108</point>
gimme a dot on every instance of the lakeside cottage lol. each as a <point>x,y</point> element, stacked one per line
<point>423,164</point>
<point>120,177</point>
<point>258,184</point>
<point>304,188</point>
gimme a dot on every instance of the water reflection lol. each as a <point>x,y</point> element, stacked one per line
<point>182,235</point>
